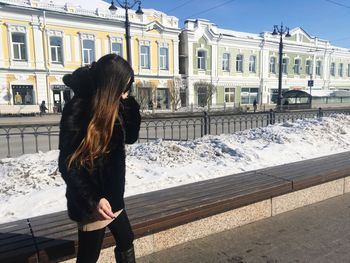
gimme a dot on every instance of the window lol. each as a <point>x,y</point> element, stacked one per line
<point>201,57</point>
<point>22,94</point>
<point>252,64</point>
<point>308,67</point>
<point>248,95</point>
<point>117,48</point>
<point>340,70</point>
<point>239,63</point>
<point>226,62</point>
<point>318,68</point>
<point>88,51</point>
<point>297,63</point>
<point>285,62</point>
<point>332,70</point>
<point>272,65</point>
<point>56,49</point>
<point>348,70</point>
<point>145,57</point>
<point>163,58</point>
<point>229,95</point>
<point>19,46</point>
<point>203,96</point>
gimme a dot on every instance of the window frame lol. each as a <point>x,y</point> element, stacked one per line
<point>201,60</point>
<point>239,63</point>
<point>318,68</point>
<point>164,59</point>
<point>121,48</point>
<point>145,62</point>
<point>90,52</point>
<point>340,69</point>
<point>308,67</point>
<point>297,66</point>
<point>285,66</point>
<point>229,94</point>
<point>18,45</point>
<point>332,69</point>
<point>56,50</point>
<point>272,66</point>
<point>225,62</point>
<point>252,64</point>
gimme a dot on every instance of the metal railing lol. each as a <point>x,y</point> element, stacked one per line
<point>16,140</point>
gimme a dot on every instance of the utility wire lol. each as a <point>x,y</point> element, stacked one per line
<point>337,3</point>
<point>179,6</point>
<point>209,9</point>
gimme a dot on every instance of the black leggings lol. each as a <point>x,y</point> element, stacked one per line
<point>90,242</point>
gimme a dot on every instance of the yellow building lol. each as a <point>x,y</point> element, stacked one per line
<point>41,40</point>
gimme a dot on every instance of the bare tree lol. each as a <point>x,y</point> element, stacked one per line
<point>175,88</point>
<point>205,91</point>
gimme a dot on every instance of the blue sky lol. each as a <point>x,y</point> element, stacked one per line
<point>320,18</point>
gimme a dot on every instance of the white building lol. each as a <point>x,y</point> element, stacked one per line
<point>244,67</point>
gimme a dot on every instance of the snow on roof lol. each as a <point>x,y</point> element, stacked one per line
<point>237,33</point>
<point>85,4</point>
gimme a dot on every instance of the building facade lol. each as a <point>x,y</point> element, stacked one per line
<point>41,41</point>
<point>242,67</point>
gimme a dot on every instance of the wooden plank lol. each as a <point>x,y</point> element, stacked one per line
<point>185,197</point>
<point>238,179</point>
<point>203,212</point>
<point>187,200</point>
<point>182,188</point>
<point>202,202</point>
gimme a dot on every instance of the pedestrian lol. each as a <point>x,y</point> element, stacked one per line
<point>95,126</point>
<point>255,105</point>
<point>42,108</point>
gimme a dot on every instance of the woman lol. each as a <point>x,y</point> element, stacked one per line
<point>94,128</point>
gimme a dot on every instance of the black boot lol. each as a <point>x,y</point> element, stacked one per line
<point>127,256</point>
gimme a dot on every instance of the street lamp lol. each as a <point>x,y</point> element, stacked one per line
<point>126,5</point>
<point>280,31</point>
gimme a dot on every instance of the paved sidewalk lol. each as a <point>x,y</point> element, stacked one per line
<point>30,120</point>
<point>316,233</point>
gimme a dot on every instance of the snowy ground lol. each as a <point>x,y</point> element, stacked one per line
<point>31,184</point>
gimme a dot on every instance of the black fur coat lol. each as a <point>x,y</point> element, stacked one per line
<point>108,177</point>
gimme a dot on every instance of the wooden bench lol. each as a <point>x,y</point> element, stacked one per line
<point>54,236</point>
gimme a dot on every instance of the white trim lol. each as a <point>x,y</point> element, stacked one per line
<point>68,48</point>
<point>77,49</point>
<point>98,49</point>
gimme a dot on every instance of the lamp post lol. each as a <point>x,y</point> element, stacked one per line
<point>126,5</point>
<point>281,31</point>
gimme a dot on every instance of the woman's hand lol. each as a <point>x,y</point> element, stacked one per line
<point>104,209</point>
<point>125,95</point>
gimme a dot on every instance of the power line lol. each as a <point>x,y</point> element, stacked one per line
<point>209,9</point>
<point>179,6</point>
<point>337,3</point>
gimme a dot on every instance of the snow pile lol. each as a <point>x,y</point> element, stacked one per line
<point>31,184</point>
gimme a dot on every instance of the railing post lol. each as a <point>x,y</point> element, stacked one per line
<point>320,113</point>
<point>205,123</point>
<point>272,117</point>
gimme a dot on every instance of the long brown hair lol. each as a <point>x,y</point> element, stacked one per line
<point>112,75</point>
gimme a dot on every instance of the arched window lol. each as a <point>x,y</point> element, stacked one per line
<point>273,65</point>
<point>252,64</point>
<point>239,63</point>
